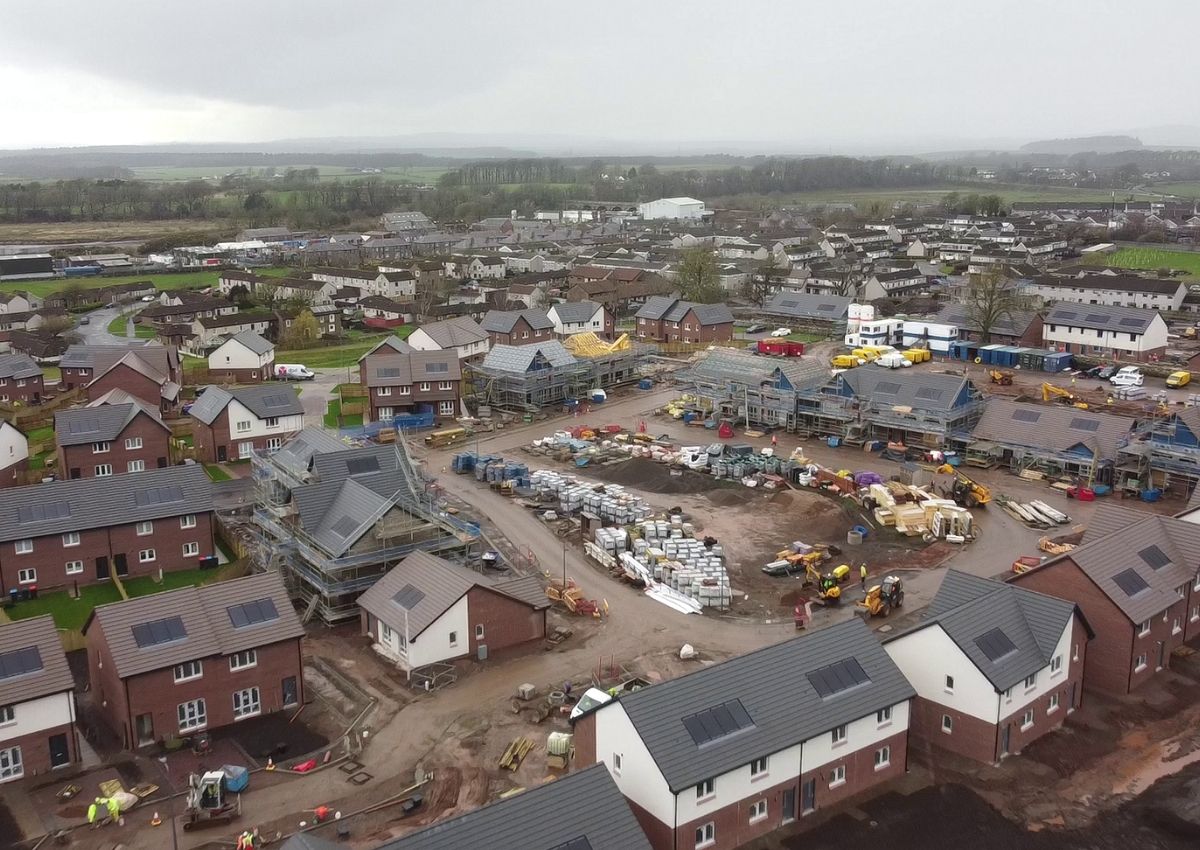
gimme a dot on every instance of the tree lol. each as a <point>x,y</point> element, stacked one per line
<point>990,299</point>
<point>763,282</point>
<point>303,332</point>
<point>698,280</point>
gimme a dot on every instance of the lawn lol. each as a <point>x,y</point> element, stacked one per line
<point>43,436</point>
<point>68,613</point>
<point>336,356</point>
<point>145,585</point>
<point>1149,258</point>
<point>216,473</point>
<point>333,410</point>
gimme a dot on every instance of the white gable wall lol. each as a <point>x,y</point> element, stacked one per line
<point>860,734</point>
<point>926,657</point>
<point>639,778</point>
<point>37,714</point>
<point>233,355</point>
<point>14,447</point>
<point>259,427</point>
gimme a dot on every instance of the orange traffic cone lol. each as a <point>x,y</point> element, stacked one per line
<point>156,820</point>
<point>270,763</point>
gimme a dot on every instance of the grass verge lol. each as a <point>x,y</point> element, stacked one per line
<point>68,613</point>
<point>216,473</point>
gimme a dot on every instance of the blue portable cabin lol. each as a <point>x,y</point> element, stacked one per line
<point>963,349</point>
<point>987,353</point>
<point>1056,361</point>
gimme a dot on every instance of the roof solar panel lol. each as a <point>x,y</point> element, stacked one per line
<point>253,612</point>
<point>887,387</point>
<point>837,677</point>
<point>156,632</point>
<point>1130,582</point>
<point>580,843</point>
<point>1080,424</point>
<point>277,400</point>
<point>388,372</point>
<point>1097,318</point>
<point>826,308</point>
<point>158,495</point>
<point>929,393</point>
<point>995,644</point>
<point>345,526</point>
<point>1066,314</point>
<point>84,426</point>
<point>42,512</point>
<point>717,722</point>
<point>1131,322</point>
<point>1154,557</point>
<point>408,597</point>
<point>361,465</point>
<point>1027,415</point>
<point>19,662</point>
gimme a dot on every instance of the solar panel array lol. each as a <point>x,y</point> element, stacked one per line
<point>580,843</point>
<point>995,644</point>
<point>345,526</point>
<point>408,597</point>
<point>1130,582</point>
<point>1131,322</point>
<point>1079,424</point>
<point>715,723</point>
<point>388,372</point>
<point>1027,415</point>
<point>1066,315</point>
<point>19,662</point>
<point>929,393</point>
<point>361,465</point>
<point>84,426</point>
<point>437,367</point>
<point>158,495</point>
<point>1154,557</point>
<point>253,612</point>
<point>837,677</point>
<point>278,400</point>
<point>1097,318</point>
<point>41,513</point>
<point>156,632</point>
<point>889,387</point>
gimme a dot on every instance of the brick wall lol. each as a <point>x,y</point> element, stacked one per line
<point>133,382</point>
<point>80,461</point>
<point>14,475</point>
<point>72,378</point>
<point>108,691</point>
<point>11,389</point>
<point>515,337</point>
<point>35,749</point>
<point>506,622</point>
<point>241,376</point>
<point>659,834</point>
<point>584,741</point>
<point>969,736</point>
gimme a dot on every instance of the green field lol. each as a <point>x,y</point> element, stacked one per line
<point>175,280</point>
<point>1149,259</point>
<point>179,173</point>
<point>339,356</point>
<point>333,412</point>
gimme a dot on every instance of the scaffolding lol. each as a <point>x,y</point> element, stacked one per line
<point>528,378</point>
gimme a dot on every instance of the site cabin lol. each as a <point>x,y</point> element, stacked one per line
<point>780,347</point>
<point>37,701</point>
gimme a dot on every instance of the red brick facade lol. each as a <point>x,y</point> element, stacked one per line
<point>15,474</point>
<point>80,461</point>
<point>35,749</point>
<point>242,376</point>
<point>688,329</point>
<point>104,551</point>
<point>24,390</point>
<point>413,398</point>
<point>122,377</point>
<point>505,622</point>
<point>521,334</point>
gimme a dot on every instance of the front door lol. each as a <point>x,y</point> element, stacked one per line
<point>1162,655</point>
<point>121,564</point>
<point>60,753</point>
<point>102,567</point>
<point>144,729</point>
<point>788,805</point>
<point>221,456</point>
<point>1005,738</point>
<point>808,797</point>
<point>291,694</point>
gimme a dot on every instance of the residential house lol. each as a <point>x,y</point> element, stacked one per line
<point>14,455</point>
<point>20,379</point>
<point>329,319</point>
<point>517,327</point>
<point>400,283</point>
<point>148,370</point>
<point>575,317</point>
<point>768,391</point>
<point>123,293</point>
<point>1112,290</point>
<point>213,331</point>
<point>232,423</point>
<point>529,294</point>
<point>827,312</point>
<point>724,755</point>
<point>384,313</point>
<point>908,406</point>
<point>42,346</point>
<point>1134,578</point>
<point>668,319</point>
<point>483,268</point>
<point>1120,333</point>
<point>1019,327</point>
<point>461,334</point>
<point>407,221</point>
<point>244,358</point>
<point>995,666</point>
<point>301,290</point>
<point>82,531</point>
<point>37,701</point>
<point>898,284</point>
<point>115,434</point>
<point>231,279</point>
<point>427,610</point>
<point>400,380</point>
<point>173,664</point>
<point>18,302</point>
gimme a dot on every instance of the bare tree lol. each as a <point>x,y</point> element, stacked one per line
<point>763,281</point>
<point>990,298</point>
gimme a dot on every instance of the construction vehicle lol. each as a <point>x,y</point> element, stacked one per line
<point>788,563</point>
<point>209,802</point>
<point>965,491</point>
<point>828,590</point>
<point>1053,393</point>
<point>1002,378</point>
<point>882,598</point>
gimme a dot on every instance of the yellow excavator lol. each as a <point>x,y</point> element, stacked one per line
<point>1053,393</point>
<point>1004,379</point>
<point>967,491</point>
<point>882,598</point>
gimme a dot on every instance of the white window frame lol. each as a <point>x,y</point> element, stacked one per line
<point>1139,663</point>
<point>145,556</point>
<point>1053,705</point>
<point>479,631</point>
<point>242,426</point>
<point>73,568</point>
<point>1031,681</point>
<point>70,538</point>
<point>192,715</point>
<point>445,407</point>
<point>191,549</point>
<point>133,443</point>
<point>758,768</point>
<point>145,528</point>
<point>758,811</point>
<point>245,450</point>
<point>948,685</point>
<point>11,765</point>
<point>445,385</point>
<point>1027,719</point>
<point>424,386</point>
<point>23,547</point>
<point>274,444</point>
<point>616,764</point>
<point>187,521</point>
<point>104,470</point>
<point>453,638</point>
<point>883,757</point>
<point>188,670</point>
<point>135,466</point>
<point>8,715</point>
<point>1176,626</point>
<point>27,575</point>
<point>247,703</point>
<point>101,447</point>
<point>706,835</point>
<point>883,717</point>
<point>838,736</point>
<point>947,724</point>
<point>837,776</point>
<point>705,790</point>
<point>1056,664</point>
<point>383,391</point>
<point>405,390</point>
<point>1143,628</point>
<point>271,421</point>
<point>1195,613</point>
<point>243,660</point>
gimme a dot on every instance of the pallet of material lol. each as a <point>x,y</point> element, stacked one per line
<point>515,754</point>
<point>1032,475</point>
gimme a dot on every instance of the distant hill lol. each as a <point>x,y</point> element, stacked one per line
<point>1084,144</point>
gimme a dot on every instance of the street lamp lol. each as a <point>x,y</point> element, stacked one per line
<point>162,760</point>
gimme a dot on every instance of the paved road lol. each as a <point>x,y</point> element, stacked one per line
<point>95,332</point>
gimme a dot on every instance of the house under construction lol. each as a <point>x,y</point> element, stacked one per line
<point>527,378</point>
<point>335,519</point>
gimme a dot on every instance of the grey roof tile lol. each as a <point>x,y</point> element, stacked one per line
<point>1052,428</point>
<point>1120,319</point>
<point>297,453</point>
<point>520,358</point>
<point>574,312</point>
<point>264,401</point>
<point>253,341</point>
<point>913,388</point>
<point>794,305</point>
<point>17,366</point>
<point>503,321</point>
<point>81,425</point>
<point>461,330</point>
<point>54,676</point>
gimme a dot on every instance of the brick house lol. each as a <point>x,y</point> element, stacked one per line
<point>148,370</point>
<point>1099,330</point>
<point>20,379</point>
<point>428,610</point>
<point>244,358</point>
<point>110,439</point>
<point>1135,579</point>
<point>79,532</point>
<point>995,666</point>
<point>461,334</point>
<point>400,380</point>
<point>667,319</point>
<point>384,313</point>
<point>576,317</point>
<point>14,455</point>
<point>731,752</point>
<point>37,701</point>
<point>517,327</point>
<point>233,423</point>
<point>196,658</point>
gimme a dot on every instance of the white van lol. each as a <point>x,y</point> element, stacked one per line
<point>293,372</point>
<point>1128,376</point>
<point>893,360</point>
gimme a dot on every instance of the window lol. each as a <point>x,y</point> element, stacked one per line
<point>74,568</point>
<point>758,811</point>
<point>884,715</point>
<point>246,703</point>
<point>947,724</point>
<point>1181,591</point>
<point>10,764</point>
<point>1075,652</point>
<point>383,391</point>
<point>191,550</point>
<point>1053,707</point>
<point>135,466</point>
<point>274,444</point>
<point>1030,681</point>
<point>1143,628</point>
<point>1176,626</point>
<point>838,735</point>
<point>445,385</point>
<point>245,451</point>
<point>454,638</point>
<point>1027,719</point>
<point>616,764</point>
<point>133,443</point>
<point>704,789</point>
<point>1139,663</point>
<point>8,715</point>
<point>1195,613</point>
<point>706,835</point>
<point>27,576</point>
<point>243,660</point>
<point>949,686</point>
<point>479,632</point>
<point>187,521</point>
<point>837,776</point>
<point>146,556</point>
<point>188,670</point>
<point>272,421</point>
<point>71,538</point>
<point>445,407</point>
<point>100,448</point>
<point>1196,586</point>
<point>145,528</point>
<point>405,390</point>
<point>883,757</point>
<point>242,426</point>
<point>104,470</point>
<point>192,715</point>
<point>424,387</point>
<point>1055,665</point>
<point>23,547</point>
<point>758,767</point>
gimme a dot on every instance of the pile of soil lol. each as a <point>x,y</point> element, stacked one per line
<point>651,477</point>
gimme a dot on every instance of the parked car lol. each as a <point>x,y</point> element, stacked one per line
<point>781,332</point>
<point>756,329</point>
<point>1128,376</point>
<point>85,321</point>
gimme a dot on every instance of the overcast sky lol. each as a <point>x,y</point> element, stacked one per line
<point>795,76</point>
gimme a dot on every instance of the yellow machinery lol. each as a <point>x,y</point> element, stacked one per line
<point>1051,393</point>
<point>867,354</point>
<point>918,355</point>
<point>967,491</point>
<point>846,361</point>
<point>1004,379</point>
<point>448,437</point>
<point>882,598</point>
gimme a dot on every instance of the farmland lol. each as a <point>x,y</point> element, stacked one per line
<point>1150,259</point>
<point>164,281</point>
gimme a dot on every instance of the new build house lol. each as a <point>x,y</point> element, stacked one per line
<point>148,370</point>
<point>233,423</point>
<point>111,438</point>
<point>400,381</point>
<point>1124,333</point>
<point>175,663</point>
<point>727,754</point>
<point>37,701</point>
<point>428,610</point>
<point>461,334</point>
<point>244,358</point>
<point>667,319</point>
<point>995,666</point>
<point>20,379</point>
<point>82,531</point>
<point>517,327</point>
<point>576,317</point>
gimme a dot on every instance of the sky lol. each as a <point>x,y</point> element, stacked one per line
<point>654,75</point>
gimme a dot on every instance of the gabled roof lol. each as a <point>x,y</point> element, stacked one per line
<point>520,358</point>
<point>17,366</point>
<point>392,343</point>
<point>575,312</point>
<point>777,688</point>
<point>297,453</point>
<point>656,307</point>
<point>1120,283</point>
<point>503,321</point>
<point>34,644</point>
<point>450,333</point>
<point>381,302</point>
<point>205,619</point>
<point>581,811</point>
<point>1098,316</point>
<point>401,370</point>
<point>793,305</point>
<point>264,401</point>
<point>158,357</point>
<point>706,314</point>
<point>1014,323</point>
<point>83,503</point>
<point>252,341</point>
<point>1007,632</point>
<point>98,424</point>
<point>910,388</point>
<point>1057,428</point>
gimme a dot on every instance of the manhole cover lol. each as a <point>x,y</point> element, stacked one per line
<point>361,778</point>
<point>350,766</point>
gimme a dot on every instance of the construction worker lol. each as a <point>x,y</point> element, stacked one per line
<point>94,810</point>
<point>114,809</point>
<point>862,576</point>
